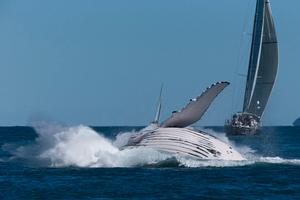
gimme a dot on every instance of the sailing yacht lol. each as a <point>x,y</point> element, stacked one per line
<point>262,71</point>
<point>175,136</point>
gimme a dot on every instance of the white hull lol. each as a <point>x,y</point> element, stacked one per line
<point>185,142</point>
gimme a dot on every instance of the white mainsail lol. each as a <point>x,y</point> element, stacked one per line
<point>263,62</point>
<point>158,110</point>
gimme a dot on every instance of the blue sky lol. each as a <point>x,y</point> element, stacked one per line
<point>102,62</point>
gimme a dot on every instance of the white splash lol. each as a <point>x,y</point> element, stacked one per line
<point>278,160</point>
<point>244,150</point>
<point>81,146</point>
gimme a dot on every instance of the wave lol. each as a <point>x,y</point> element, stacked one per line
<point>81,146</point>
<point>278,160</point>
<point>224,163</point>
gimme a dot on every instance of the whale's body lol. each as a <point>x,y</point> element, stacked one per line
<point>185,142</point>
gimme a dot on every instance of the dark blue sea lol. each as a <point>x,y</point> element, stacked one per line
<point>51,161</point>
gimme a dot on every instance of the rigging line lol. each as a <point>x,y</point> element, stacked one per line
<point>238,61</point>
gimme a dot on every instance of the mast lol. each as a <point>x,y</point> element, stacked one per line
<point>255,52</point>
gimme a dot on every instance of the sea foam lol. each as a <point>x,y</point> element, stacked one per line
<point>81,146</point>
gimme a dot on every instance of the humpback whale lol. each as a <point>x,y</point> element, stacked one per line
<point>175,136</point>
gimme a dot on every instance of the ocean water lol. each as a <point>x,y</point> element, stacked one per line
<point>52,161</point>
